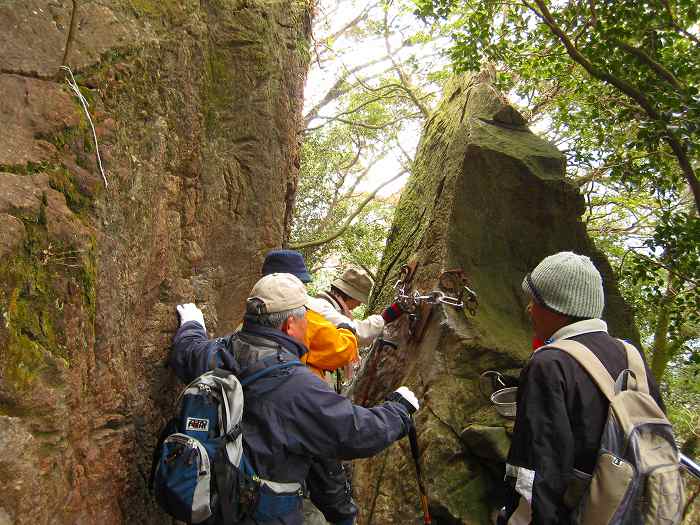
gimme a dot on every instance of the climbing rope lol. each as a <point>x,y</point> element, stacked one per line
<point>73,85</point>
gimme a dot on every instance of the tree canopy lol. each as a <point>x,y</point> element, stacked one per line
<point>614,85</point>
<point>618,79</point>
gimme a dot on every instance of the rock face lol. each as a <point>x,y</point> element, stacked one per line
<point>489,197</point>
<point>196,106</point>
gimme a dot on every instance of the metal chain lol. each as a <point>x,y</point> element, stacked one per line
<point>410,302</point>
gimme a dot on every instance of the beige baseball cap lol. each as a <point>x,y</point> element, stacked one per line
<point>355,283</point>
<point>279,292</point>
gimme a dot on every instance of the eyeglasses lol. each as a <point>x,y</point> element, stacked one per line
<point>535,293</point>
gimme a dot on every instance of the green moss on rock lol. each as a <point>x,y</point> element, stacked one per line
<point>34,290</point>
<point>489,197</point>
<point>30,317</point>
<point>156,8</point>
<point>29,168</point>
<point>217,91</point>
<point>62,180</point>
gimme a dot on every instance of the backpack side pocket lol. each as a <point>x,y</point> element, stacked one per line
<point>610,484</point>
<point>664,495</point>
<point>273,505</point>
<point>183,479</point>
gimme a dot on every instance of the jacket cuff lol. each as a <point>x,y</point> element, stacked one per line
<point>398,398</point>
<point>392,313</point>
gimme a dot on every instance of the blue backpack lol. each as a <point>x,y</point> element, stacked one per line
<point>199,472</point>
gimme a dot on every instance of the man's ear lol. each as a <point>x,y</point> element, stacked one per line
<point>285,325</point>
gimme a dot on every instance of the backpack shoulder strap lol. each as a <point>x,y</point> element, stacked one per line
<point>329,299</point>
<point>590,364</point>
<point>636,365</point>
<point>248,379</point>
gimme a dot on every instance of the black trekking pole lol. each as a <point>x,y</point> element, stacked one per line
<point>338,382</point>
<point>413,440</point>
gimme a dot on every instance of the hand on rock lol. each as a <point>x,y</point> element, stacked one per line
<point>392,313</point>
<point>407,398</point>
<point>190,312</point>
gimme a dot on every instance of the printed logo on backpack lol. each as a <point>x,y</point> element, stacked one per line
<point>197,425</point>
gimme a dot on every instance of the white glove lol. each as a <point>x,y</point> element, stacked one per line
<point>408,396</point>
<point>190,312</point>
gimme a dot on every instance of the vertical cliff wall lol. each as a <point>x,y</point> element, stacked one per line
<point>489,197</point>
<point>196,107</point>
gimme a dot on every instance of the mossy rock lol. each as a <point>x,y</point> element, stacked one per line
<point>489,197</point>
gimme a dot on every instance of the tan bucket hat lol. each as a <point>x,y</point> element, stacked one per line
<point>355,283</point>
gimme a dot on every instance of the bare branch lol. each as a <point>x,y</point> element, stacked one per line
<point>323,223</point>
<point>351,24</point>
<point>324,42</point>
<point>407,157</point>
<point>405,80</point>
<point>359,124</point>
<point>340,87</point>
<point>340,231</point>
<point>364,104</point>
<point>361,176</point>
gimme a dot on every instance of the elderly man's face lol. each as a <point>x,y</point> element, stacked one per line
<point>295,328</point>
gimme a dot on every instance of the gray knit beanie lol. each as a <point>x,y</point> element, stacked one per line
<point>567,283</point>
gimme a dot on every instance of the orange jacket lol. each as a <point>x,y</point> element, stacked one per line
<point>329,347</point>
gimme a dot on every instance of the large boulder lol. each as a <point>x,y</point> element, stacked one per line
<point>196,107</point>
<point>487,196</point>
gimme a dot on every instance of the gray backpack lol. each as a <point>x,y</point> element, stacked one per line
<point>637,477</point>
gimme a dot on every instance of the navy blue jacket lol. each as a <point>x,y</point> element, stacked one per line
<point>290,415</point>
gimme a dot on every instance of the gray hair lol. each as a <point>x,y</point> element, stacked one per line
<point>255,315</point>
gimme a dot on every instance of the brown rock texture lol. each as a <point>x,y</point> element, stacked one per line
<point>196,106</point>
<point>489,197</point>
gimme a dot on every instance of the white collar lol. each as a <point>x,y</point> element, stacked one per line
<point>580,327</point>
